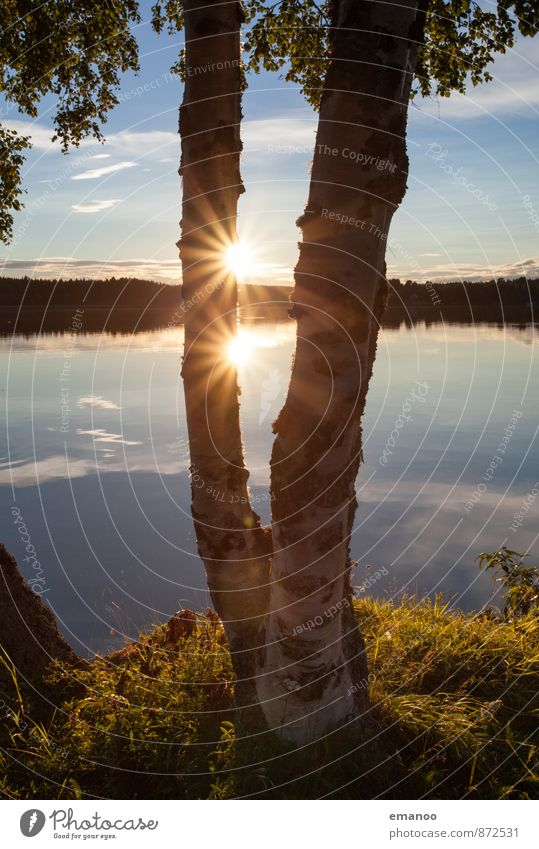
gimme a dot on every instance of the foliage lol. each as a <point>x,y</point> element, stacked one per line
<point>168,15</point>
<point>461,40</point>
<point>464,295</point>
<point>456,696</point>
<point>11,159</point>
<point>520,584</point>
<point>145,726</point>
<point>273,43</point>
<point>468,295</point>
<point>75,50</point>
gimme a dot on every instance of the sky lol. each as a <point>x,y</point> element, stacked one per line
<point>471,210</point>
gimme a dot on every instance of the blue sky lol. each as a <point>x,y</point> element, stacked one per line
<point>471,211</point>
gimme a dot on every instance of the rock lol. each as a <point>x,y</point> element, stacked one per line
<point>123,655</point>
<point>182,624</point>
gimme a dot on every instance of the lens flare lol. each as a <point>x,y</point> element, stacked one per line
<point>244,348</point>
<point>240,348</point>
<point>240,259</point>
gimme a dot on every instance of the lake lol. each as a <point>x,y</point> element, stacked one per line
<point>94,465</point>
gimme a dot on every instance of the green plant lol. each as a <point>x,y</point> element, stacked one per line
<point>520,584</point>
<point>456,696</point>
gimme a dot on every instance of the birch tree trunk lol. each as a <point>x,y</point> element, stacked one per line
<point>230,539</point>
<point>314,673</point>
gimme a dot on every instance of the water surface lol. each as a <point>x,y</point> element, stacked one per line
<point>94,461</point>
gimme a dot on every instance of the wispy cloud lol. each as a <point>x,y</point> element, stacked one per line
<point>101,435</point>
<point>40,135</point>
<point>168,271</point>
<point>128,143</point>
<point>271,272</point>
<point>97,402</point>
<point>470,271</point>
<point>105,461</point>
<point>95,173</point>
<point>513,90</point>
<point>280,134</point>
<point>50,468</point>
<point>145,144</point>
<point>94,206</point>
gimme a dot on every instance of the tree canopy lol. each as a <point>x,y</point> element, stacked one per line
<point>461,40</point>
<point>77,50</point>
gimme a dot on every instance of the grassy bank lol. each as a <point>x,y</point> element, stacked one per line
<point>456,710</point>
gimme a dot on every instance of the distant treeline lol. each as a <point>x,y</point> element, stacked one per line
<point>128,304</point>
<point>133,293</point>
<point>518,293</point>
<point>120,292</point>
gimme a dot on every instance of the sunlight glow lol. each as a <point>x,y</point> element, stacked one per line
<point>240,259</point>
<point>241,350</point>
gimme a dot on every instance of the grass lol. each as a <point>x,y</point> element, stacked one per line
<point>456,710</point>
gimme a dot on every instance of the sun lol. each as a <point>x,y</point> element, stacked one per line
<point>240,259</point>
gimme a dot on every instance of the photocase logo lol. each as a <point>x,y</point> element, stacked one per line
<point>32,822</point>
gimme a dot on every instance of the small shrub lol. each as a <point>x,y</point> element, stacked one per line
<point>519,583</point>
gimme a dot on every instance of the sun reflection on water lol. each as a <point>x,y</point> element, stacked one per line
<point>243,349</point>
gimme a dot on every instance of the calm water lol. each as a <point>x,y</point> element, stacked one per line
<point>94,462</point>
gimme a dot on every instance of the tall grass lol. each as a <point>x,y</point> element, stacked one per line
<point>455,715</point>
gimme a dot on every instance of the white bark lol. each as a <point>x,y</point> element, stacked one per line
<point>230,539</point>
<point>313,676</point>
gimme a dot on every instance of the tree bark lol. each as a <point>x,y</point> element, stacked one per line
<point>31,642</point>
<point>230,539</point>
<point>314,672</point>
